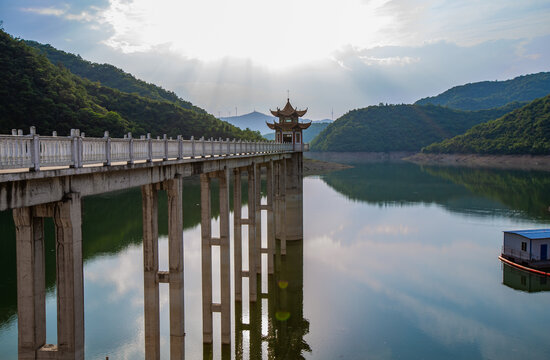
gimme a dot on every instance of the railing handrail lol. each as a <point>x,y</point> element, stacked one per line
<point>34,151</point>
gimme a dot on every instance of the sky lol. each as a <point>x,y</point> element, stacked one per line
<point>233,57</point>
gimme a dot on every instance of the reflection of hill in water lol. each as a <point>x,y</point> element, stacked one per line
<point>469,191</point>
<point>110,223</point>
<point>525,191</point>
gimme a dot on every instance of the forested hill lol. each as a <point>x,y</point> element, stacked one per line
<point>523,131</point>
<point>493,94</point>
<point>109,75</point>
<point>33,91</point>
<point>399,127</point>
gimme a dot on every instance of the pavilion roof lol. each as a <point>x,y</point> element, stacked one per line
<point>288,111</point>
<point>288,126</point>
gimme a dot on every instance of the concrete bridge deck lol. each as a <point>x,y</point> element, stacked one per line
<point>48,176</point>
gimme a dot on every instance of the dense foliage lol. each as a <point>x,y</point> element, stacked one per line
<point>492,94</point>
<point>523,131</point>
<point>109,75</point>
<point>33,91</point>
<point>399,127</point>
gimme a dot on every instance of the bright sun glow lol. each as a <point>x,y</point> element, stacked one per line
<point>277,34</point>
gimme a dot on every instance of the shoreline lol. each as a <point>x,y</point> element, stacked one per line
<point>517,162</point>
<point>318,167</point>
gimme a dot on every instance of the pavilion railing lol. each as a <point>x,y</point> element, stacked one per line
<point>34,151</point>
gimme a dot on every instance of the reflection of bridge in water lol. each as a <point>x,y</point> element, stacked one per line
<point>84,166</point>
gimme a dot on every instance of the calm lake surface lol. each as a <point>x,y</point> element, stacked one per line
<point>398,262</point>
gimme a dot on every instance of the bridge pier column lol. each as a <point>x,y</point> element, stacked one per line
<point>208,307</point>
<point>294,198</point>
<point>70,278</point>
<point>150,271</point>
<point>252,230</point>
<point>174,190</point>
<point>31,294</point>
<point>237,234</point>
<point>270,218</point>
<point>280,204</point>
<point>258,216</point>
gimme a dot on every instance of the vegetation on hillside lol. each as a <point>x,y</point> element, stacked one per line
<point>109,75</point>
<point>493,94</point>
<point>523,131</point>
<point>399,127</point>
<point>33,91</point>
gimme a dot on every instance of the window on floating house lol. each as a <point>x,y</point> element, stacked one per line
<point>523,246</point>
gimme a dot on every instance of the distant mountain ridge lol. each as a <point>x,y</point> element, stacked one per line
<point>492,94</point>
<point>523,131</point>
<point>256,120</point>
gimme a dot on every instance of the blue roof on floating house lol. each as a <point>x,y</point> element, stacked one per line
<point>532,234</point>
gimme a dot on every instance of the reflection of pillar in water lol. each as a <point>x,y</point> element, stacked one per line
<point>174,276</point>
<point>224,307</point>
<point>286,315</point>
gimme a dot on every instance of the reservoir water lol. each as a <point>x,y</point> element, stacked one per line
<point>398,261</point>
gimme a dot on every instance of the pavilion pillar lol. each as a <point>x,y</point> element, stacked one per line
<point>70,280</point>
<point>31,294</point>
<point>150,271</point>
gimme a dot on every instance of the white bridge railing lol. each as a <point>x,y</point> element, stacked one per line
<point>34,151</point>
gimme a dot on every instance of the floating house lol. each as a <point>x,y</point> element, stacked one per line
<point>527,247</point>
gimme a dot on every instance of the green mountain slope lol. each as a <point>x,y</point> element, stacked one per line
<point>399,127</point>
<point>523,131</point>
<point>109,75</point>
<point>33,91</point>
<point>492,94</point>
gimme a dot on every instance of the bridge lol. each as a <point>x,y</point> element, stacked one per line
<point>47,176</point>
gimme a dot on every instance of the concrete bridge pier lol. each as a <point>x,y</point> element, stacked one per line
<point>293,217</point>
<point>31,293</point>
<point>280,203</point>
<point>174,276</point>
<point>208,306</point>
<point>253,191</point>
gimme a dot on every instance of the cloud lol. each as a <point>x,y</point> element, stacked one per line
<point>46,11</point>
<point>344,57</point>
<point>83,16</point>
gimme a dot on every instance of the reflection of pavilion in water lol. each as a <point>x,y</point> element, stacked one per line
<point>524,281</point>
<point>268,284</point>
